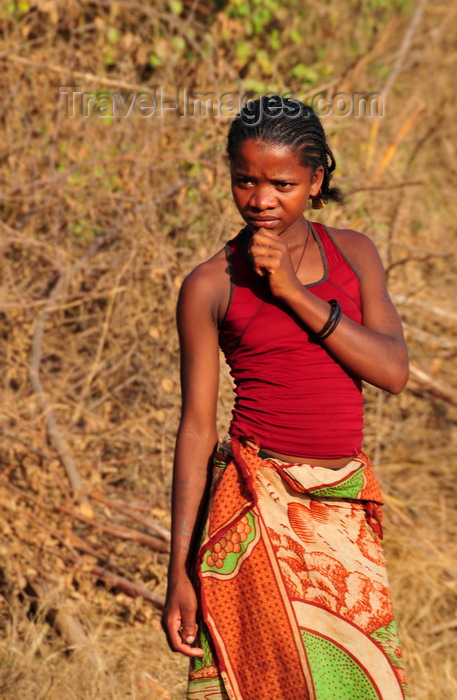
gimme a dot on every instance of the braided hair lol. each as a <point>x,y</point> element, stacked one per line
<point>286,122</point>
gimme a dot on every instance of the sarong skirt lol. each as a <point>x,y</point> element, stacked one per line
<point>295,602</point>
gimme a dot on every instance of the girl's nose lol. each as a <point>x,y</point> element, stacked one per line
<point>262,198</point>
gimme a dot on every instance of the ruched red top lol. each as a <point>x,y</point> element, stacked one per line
<point>290,394</point>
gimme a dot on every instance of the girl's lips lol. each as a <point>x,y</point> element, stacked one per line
<point>263,223</point>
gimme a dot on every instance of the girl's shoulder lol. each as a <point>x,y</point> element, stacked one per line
<point>208,284</point>
<point>209,271</point>
<point>358,248</point>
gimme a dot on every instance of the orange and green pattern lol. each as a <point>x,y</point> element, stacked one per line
<point>293,585</point>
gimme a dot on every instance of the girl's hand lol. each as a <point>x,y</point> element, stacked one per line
<point>179,619</point>
<point>271,258</point>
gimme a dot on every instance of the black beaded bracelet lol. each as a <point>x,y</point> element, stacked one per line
<point>333,321</point>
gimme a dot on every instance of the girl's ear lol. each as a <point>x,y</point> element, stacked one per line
<point>316,181</point>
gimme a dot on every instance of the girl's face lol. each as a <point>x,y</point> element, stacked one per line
<point>271,187</point>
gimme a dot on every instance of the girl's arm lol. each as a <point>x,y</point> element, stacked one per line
<point>196,441</point>
<point>375,350</point>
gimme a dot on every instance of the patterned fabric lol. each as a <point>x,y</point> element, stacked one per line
<point>293,586</point>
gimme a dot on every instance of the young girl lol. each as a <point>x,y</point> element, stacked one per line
<point>287,583</point>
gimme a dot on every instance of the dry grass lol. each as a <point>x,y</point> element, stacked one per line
<point>102,219</point>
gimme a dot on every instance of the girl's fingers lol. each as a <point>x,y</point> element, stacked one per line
<point>182,636</point>
<point>270,240</point>
<point>262,251</point>
<point>188,629</point>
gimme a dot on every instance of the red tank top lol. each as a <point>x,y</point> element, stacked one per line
<point>290,394</point>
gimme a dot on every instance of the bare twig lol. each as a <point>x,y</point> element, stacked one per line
<point>28,446</point>
<point>431,386</point>
<point>120,582</point>
<point>55,436</point>
<point>67,625</point>
<point>433,340</point>
<point>89,77</point>
<point>392,186</point>
<point>101,343</point>
<point>63,174</point>
<point>437,310</point>
<point>76,544</point>
<point>147,522</point>
<point>119,532</point>
<point>406,43</point>
<point>84,547</point>
<point>133,589</point>
<point>54,433</point>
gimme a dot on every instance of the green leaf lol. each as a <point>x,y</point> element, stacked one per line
<point>155,61</point>
<point>254,85</point>
<point>179,43</point>
<point>295,36</point>
<point>264,62</point>
<point>275,42</point>
<point>304,73</point>
<point>176,7</point>
<point>113,35</point>
<point>243,50</point>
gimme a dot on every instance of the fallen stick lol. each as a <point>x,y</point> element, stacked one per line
<point>132,589</point>
<point>54,433</point>
<point>66,625</point>
<point>82,546</point>
<point>89,77</point>
<point>116,579</point>
<point>121,508</point>
<point>405,46</point>
<point>392,186</point>
<point>55,436</point>
<point>76,545</point>
<point>426,383</point>
<point>119,532</point>
<point>447,314</point>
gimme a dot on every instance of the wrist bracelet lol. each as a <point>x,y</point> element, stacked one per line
<point>333,321</point>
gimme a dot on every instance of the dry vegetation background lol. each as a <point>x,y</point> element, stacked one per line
<point>101,220</point>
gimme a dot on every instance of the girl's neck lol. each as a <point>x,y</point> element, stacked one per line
<point>296,234</point>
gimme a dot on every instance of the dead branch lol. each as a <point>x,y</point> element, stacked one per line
<point>65,624</point>
<point>115,531</point>
<point>82,546</point>
<point>30,448</point>
<point>424,382</point>
<point>89,77</point>
<point>406,43</point>
<point>129,587</point>
<point>57,177</point>
<point>353,73</point>
<point>409,259</point>
<point>76,544</point>
<point>119,532</point>
<point>101,344</point>
<point>121,508</point>
<point>394,186</point>
<point>54,433</point>
<point>437,310</point>
<point>433,340</point>
<point>124,584</point>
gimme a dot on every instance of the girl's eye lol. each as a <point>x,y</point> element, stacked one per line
<point>244,182</point>
<point>284,185</point>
